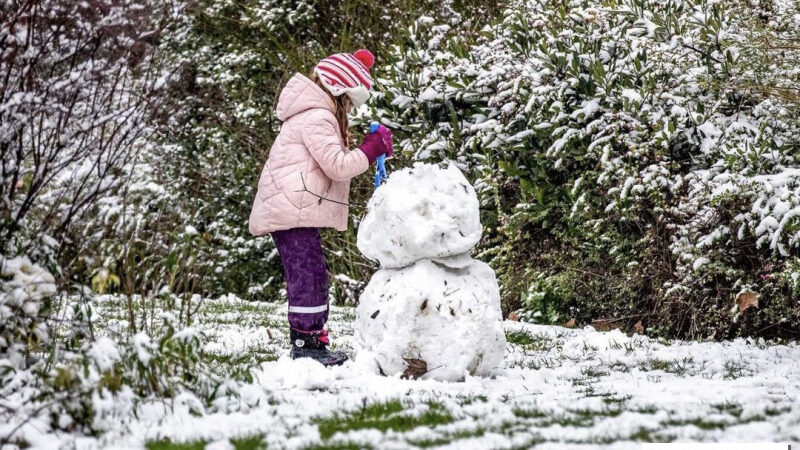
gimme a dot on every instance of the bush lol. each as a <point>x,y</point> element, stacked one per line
<point>634,159</point>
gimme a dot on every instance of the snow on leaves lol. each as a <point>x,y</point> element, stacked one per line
<point>78,82</point>
<point>678,109</point>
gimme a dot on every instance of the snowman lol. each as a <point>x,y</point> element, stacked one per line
<point>431,311</point>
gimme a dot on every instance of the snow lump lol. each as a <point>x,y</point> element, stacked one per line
<point>421,212</point>
<point>430,301</point>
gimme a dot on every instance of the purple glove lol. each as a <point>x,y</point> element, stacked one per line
<point>377,143</point>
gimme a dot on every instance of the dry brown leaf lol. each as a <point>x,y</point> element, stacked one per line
<point>747,299</point>
<point>570,323</point>
<point>514,317</point>
<point>638,328</point>
<point>415,368</point>
<point>605,324</point>
<point>269,334</point>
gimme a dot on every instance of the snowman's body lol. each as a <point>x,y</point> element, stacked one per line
<point>430,301</point>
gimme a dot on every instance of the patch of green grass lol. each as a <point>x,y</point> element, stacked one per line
<point>619,366</point>
<point>529,341</point>
<point>649,409</point>
<point>631,346</point>
<point>569,421</point>
<point>252,320</point>
<point>345,313</point>
<point>448,438</point>
<point>594,372</point>
<point>643,435</point>
<point>655,364</point>
<point>610,412</point>
<point>699,423</point>
<point>612,400</point>
<point>590,391</point>
<point>338,446</point>
<point>251,357</point>
<point>529,413</point>
<point>675,366</point>
<point>249,443</point>
<point>530,443</point>
<point>538,363</point>
<point>589,348</point>
<point>382,416</point>
<point>571,418</point>
<point>464,399</point>
<point>736,369</point>
<point>166,444</point>
<point>237,367</point>
<point>519,338</point>
<point>247,307</point>
<point>771,411</point>
<point>731,408</point>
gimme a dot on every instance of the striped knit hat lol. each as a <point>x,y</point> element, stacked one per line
<point>345,73</point>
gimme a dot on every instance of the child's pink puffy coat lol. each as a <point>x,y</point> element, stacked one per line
<point>308,150</point>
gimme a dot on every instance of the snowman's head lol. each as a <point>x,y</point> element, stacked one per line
<point>421,212</point>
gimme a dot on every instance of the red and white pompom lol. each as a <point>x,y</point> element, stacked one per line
<point>366,57</point>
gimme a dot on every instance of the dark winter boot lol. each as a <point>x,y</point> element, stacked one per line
<point>314,345</point>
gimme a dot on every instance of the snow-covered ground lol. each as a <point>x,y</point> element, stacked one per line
<point>558,389</point>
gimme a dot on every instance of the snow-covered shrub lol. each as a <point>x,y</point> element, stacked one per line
<point>167,363</point>
<point>81,82</point>
<point>97,385</point>
<point>79,79</point>
<point>25,291</point>
<point>633,159</point>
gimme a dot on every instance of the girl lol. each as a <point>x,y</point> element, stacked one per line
<point>304,186</point>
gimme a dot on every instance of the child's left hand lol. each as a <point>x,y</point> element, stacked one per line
<point>377,143</point>
<point>386,136</point>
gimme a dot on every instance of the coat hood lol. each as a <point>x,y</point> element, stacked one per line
<point>301,94</point>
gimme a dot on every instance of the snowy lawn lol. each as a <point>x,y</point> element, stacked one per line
<point>559,388</point>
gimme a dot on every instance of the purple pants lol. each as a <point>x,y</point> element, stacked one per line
<point>306,275</point>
